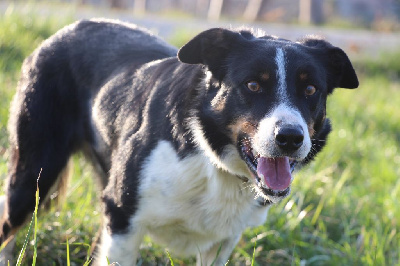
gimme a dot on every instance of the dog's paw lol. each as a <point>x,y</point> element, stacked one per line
<point>6,255</point>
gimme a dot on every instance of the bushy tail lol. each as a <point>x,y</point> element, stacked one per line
<point>48,123</point>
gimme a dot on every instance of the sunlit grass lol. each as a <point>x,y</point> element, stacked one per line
<point>343,209</point>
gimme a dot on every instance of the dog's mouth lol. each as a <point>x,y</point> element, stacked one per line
<point>273,175</point>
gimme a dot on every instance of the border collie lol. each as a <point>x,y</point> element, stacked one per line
<point>191,146</point>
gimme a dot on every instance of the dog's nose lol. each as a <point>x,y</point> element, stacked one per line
<point>289,138</point>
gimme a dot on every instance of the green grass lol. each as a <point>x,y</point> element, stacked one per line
<point>343,209</point>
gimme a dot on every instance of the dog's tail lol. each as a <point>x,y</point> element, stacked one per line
<point>48,123</point>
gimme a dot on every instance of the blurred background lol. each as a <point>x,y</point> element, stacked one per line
<point>359,26</point>
<point>344,207</point>
<point>378,14</point>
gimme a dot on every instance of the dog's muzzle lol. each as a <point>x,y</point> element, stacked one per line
<point>272,155</point>
<point>289,138</point>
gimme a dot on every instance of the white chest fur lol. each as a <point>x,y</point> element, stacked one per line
<point>189,204</point>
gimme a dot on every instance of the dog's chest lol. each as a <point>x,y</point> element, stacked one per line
<point>188,204</point>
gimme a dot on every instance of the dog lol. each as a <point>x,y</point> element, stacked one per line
<point>191,146</point>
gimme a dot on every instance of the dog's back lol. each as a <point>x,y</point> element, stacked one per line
<point>50,114</point>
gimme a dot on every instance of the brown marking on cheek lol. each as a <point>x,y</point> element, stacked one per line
<point>264,76</point>
<point>311,130</point>
<point>303,76</point>
<point>242,125</point>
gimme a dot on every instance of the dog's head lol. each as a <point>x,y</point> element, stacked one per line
<point>263,108</point>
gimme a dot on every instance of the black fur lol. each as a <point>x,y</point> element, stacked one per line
<point>114,91</point>
<point>50,116</point>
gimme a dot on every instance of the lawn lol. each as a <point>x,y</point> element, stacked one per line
<point>343,209</point>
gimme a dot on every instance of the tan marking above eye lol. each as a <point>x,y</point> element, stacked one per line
<point>310,90</point>
<point>265,76</point>
<point>254,86</point>
<point>303,76</point>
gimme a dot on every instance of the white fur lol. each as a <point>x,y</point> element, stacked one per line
<point>119,248</point>
<point>284,112</point>
<point>280,61</point>
<point>264,139</point>
<point>188,205</point>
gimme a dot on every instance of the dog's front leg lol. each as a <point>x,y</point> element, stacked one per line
<point>219,253</point>
<point>121,248</point>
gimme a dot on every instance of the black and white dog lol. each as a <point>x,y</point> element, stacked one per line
<point>191,149</point>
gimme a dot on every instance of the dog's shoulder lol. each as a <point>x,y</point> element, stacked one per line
<point>149,98</point>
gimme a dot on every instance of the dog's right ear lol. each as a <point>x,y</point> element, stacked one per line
<point>341,71</point>
<point>210,48</point>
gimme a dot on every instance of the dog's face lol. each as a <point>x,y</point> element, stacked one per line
<point>264,108</point>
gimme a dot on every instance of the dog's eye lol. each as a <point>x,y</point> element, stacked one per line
<point>253,86</point>
<point>310,90</point>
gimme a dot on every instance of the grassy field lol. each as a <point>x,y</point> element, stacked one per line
<point>344,208</point>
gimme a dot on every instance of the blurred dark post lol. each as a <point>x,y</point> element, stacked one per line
<point>252,10</point>
<point>317,11</point>
<point>214,11</point>
<point>118,3</point>
<point>311,11</point>
<point>139,7</point>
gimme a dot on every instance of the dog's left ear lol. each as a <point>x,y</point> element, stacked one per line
<point>340,70</point>
<point>210,48</point>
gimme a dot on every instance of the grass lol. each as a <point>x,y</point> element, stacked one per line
<point>343,209</point>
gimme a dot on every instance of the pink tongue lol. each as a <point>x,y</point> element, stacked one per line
<point>275,172</point>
